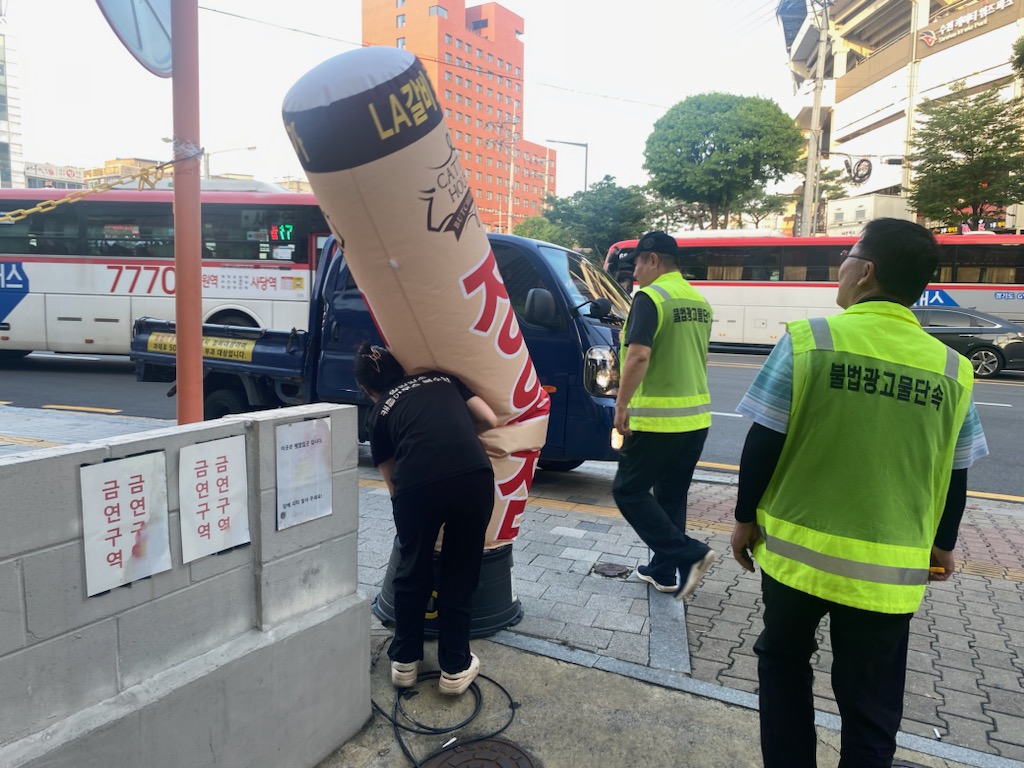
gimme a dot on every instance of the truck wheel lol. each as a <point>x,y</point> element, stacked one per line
<point>222,402</point>
<point>558,466</point>
<point>233,318</point>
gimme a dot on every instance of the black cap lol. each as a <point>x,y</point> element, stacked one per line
<point>658,242</point>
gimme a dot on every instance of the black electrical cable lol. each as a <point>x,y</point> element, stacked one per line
<point>418,728</point>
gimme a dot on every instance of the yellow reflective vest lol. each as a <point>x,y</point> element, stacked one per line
<point>851,511</point>
<point>674,396</point>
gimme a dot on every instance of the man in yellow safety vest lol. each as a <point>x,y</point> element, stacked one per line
<point>663,410</point>
<point>853,480</point>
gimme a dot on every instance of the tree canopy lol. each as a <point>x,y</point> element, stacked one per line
<point>540,228</point>
<point>712,148</point>
<point>603,214</point>
<point>968,157</point>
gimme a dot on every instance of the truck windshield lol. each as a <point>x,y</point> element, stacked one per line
<point>583,281</point>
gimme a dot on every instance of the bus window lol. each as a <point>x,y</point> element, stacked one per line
<point>53,233</point>
<point>812,263</point>
<point>126,229</point>
<point>986,263</point>
<point>695,263</point>
<point>745,263</point>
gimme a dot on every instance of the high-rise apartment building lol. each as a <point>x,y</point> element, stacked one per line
<point>474,58</point>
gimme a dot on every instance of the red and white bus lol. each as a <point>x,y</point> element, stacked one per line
<point>73,279</point>
<point>756,285</point>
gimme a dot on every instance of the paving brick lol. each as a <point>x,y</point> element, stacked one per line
<point>956,659</point>
<point>944,625</point>
<point>727,630</point>
<point>541,548</point>
<point>920,661</point>
<point>1004,749</point>
<point>574,614</point>
<point>958,679</point>
<point>565,595</point>
<point>582,555</point>
<point>964,732</point>
<point>988,657</point>
<point>706,670</point>
<point>620,622</point>
<point>1003,679</point>
<point>529,588</point>
<point>596,584</point>
<point>1003,701</point>
<point>526,571</point>
<point>577,532</point>
<point>559,578</point>
<point>585,636</point>
<point>960,703</point>
<point>713,649</point>
<point>953,641</point>
<point>1009,728</point>
<point>536,606</point>
<point>539,627</point>
<point>635,589</point>
<point>610,603</point>
<point>628,647</point>
<point>922,708</point>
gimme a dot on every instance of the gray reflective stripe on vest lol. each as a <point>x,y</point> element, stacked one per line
<point>952,364</point>
<point>693,410</point>
<point>822,333</point>
<point>661,291</point>
<point>823,340</point>
<point>879,574</point>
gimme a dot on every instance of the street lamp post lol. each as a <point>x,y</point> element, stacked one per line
<point>586,155</point>
<point>206,155</point>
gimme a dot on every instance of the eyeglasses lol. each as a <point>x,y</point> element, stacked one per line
<point>845,254</point>
<point>375,355</point>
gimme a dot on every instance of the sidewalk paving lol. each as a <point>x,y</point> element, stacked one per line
<point>608,671</point>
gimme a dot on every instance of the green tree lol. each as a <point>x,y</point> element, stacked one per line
<point>540,228</point>
<point>712,148</point>
<point>674,215</point>
<point>1017,59</point>
<point>757,205</point>
<point>968,156</point>
<point>600,216</point>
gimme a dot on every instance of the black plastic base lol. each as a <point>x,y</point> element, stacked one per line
<point>495,606</point>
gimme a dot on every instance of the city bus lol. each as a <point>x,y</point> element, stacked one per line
<point>756,285</point>
<point>74,278</point>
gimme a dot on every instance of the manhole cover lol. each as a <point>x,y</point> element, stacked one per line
<point>483,754</point>
<point>613,570</point>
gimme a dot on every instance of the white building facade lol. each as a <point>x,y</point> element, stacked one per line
<point>883,58</point>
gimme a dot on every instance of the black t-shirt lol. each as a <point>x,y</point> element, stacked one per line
<point>424,424</point>
<point>642,323</point>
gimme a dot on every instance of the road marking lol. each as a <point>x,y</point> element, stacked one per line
<point>81,408</point>
<point>34,442</point>
<point>995,405</point>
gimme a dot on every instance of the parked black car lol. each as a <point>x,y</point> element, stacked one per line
<point>989,342</point>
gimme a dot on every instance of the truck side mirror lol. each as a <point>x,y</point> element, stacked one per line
<point>600,307</point>
<point>540,308</point>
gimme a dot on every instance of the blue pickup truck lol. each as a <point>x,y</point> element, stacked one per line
<point>570,312</point>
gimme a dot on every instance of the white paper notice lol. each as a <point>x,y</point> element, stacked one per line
<point>303,471</point>
<point>124,521</point>
<point>212,486</point>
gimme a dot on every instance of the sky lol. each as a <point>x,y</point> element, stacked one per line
<point>592,75</point>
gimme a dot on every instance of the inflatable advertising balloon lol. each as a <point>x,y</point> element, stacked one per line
<point>371,136</point>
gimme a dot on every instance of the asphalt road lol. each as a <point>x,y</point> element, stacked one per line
<point>107,384</point>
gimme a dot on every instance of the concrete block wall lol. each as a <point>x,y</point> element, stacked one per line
<point>255,657</point>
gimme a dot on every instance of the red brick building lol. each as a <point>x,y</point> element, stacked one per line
<point>475,60</point>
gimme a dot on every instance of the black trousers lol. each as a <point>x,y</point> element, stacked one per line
<point>463,505</point>
<point>650,489</point>
<point>869,663</point>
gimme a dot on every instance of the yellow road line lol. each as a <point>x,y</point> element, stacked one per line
<point>713,465</point>
<point>85,408</point>
<point>995,496</point>
<point>30,441</point>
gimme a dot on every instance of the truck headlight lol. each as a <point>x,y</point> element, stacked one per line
<point>601,372</point>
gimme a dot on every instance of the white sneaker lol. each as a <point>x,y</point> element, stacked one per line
<point>456,683</point>
<point>697,571</point>
<point>404,674</point>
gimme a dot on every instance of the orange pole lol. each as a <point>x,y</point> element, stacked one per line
<point>188,290</point>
